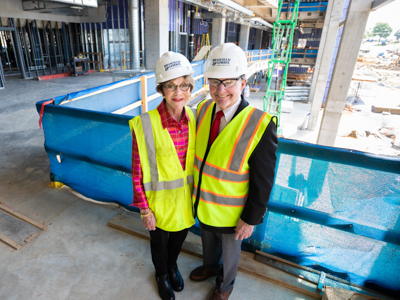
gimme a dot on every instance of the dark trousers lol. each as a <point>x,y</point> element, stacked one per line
<point>221,254</point>
<point>165,248</point>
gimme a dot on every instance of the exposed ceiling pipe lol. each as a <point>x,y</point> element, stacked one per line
<point>261,21</point>
<point>133,23</point>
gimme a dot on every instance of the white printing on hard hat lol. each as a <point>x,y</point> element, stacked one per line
<point>172,65</point>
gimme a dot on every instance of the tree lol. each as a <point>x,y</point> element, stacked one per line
<point>397,34</point>
<point>383,30</point>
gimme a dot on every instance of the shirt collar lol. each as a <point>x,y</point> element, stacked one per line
<point>166,118</point>
<point>229,112</point>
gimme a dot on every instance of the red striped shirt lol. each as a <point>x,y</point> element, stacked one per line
<point>179,132</point>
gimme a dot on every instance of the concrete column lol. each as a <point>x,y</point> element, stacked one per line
<point>354,26</point>
<point>258,39</point>
<point>244,37</point>
<point>324,58</point>
<point>218,32</point>
<point>156,30</point>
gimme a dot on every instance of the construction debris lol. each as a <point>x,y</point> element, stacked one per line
<point>392,110</point>
<point>388,76</point>
<point>379,133</point>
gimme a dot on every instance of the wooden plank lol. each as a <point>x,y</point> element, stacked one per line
<point>363,78</point>
<point>250,266</point>
<point>22,217</point>
<point>30,238</point>
<point>129,223</point>
<point>306,275</point>
<point>132,223</point>
<point>295,265</point>
<point>9,242</point>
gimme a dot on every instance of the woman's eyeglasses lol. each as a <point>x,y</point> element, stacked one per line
<point>172,87</point>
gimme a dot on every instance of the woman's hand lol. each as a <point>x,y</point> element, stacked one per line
<point>149,222</point>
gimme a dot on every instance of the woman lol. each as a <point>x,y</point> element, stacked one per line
<point>162,164</point>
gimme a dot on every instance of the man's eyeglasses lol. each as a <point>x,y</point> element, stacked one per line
<point>227,82</point>
<point>172,87</point>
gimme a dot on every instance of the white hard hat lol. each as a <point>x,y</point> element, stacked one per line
<point>226,61</point>
<point>172,65</point>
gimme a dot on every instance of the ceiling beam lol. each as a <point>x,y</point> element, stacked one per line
<point>249,3</point>
<point>379,4</point>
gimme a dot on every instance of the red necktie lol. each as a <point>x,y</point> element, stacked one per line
<point>215,127</point>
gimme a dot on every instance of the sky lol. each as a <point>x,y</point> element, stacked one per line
<point>390,13</point>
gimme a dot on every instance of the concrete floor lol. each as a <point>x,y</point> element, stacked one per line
<point>78,256</point>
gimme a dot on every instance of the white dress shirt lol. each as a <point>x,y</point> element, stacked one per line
<point>228,114</point>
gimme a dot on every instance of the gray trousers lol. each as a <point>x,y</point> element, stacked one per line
<point>221,254</point>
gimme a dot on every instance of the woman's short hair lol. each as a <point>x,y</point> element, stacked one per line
<point>188,78</point>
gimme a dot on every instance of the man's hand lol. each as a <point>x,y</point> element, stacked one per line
<point>149,222</point>
<point>243,230</point>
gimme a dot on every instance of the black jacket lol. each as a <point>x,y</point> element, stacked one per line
<point>262,173</point>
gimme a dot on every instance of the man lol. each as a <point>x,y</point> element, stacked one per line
<point>234,168</point>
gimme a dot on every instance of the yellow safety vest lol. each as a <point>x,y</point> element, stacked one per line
<point>167,187</point>
<point>224,176</point>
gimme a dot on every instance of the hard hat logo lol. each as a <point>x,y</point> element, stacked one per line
<point>221,62</point>
<point>172,65</point>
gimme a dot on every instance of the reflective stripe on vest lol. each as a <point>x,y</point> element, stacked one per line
<point>156,185</point>
<point>151,147</point>
<point>232,201</point>
<point>244,139</point>
<point>194,113</point>
<point>201,112</point>
<point>166,185</point>
<point>217,173</point>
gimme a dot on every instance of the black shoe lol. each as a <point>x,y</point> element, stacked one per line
<point>175,279</point>
<point>164,288</point>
